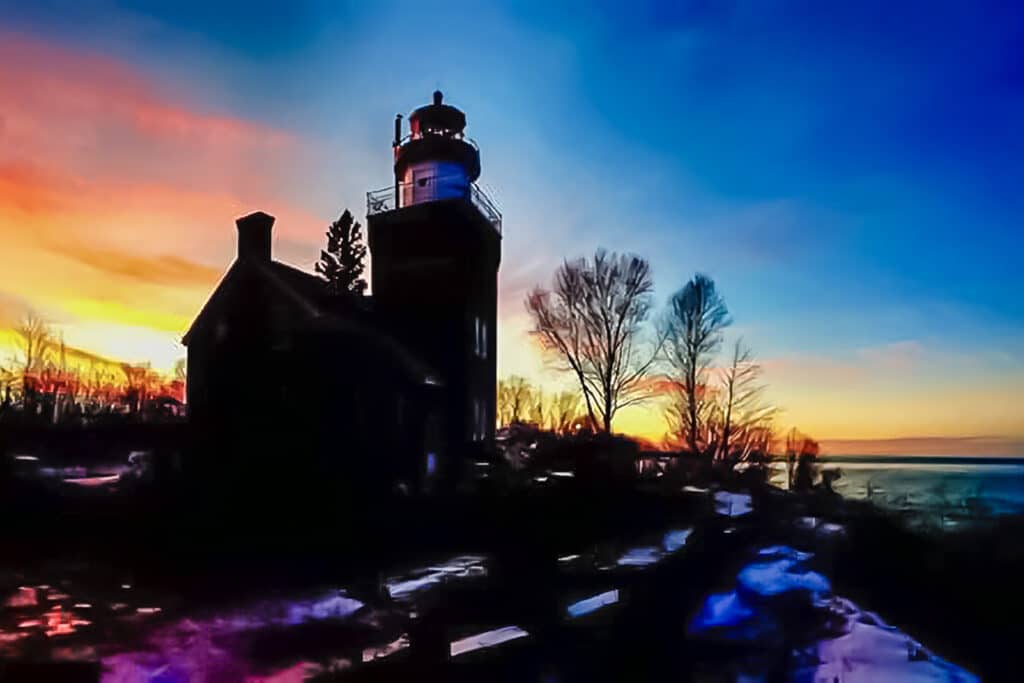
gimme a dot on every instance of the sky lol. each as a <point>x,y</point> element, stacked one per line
<point>849,173</point>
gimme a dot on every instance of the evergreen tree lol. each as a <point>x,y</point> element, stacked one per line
<point>341,265</point>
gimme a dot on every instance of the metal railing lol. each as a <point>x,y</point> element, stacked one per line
<point>380,201</point>
<point>387,199</point>
<point>484,204</point>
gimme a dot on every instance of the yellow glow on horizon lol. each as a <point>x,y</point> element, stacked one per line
<point>114,312</point>
<point>840,403</point>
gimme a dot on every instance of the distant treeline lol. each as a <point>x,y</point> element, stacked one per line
<point>45,382</point>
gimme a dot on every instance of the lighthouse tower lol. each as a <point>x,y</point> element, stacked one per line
<point>435,244</point>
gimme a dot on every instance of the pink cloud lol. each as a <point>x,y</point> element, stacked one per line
<point>118,197</point>
<point>813,369</point>
<point>91,150</point>
<point>901,355</point>
<point>101,117</point>
<point>852,367</point>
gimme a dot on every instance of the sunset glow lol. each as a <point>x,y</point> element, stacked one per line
<point>123,168</point>
<point>115,203</point>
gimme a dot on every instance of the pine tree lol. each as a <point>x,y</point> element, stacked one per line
<point>342,264</point>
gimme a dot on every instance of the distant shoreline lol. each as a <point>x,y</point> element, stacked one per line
<point>929,446</point>
<point>876,458</point>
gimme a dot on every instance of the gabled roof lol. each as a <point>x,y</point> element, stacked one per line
<point>231,274</point>
<point>306,293</point>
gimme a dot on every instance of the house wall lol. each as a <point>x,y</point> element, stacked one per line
<point>267,390</point>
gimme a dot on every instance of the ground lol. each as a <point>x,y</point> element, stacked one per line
<point>608,587</point>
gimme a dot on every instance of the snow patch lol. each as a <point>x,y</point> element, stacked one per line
<point>593,603</point>
<point>784,552</point>
<point>721,610</point>
<point>408,585</point>
<point>640,557</point>
<point>771,579</point>
<point>486,639</point>
<point>869,653</point>
<point>675,539</point>
<point>332,606</point>
<point>733,504</point>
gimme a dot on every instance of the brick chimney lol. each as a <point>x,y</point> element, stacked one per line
<point>254,236</point>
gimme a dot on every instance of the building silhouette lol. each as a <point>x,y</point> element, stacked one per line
<point>400,384</point>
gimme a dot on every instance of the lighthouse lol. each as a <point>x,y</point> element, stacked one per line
<point>435,245</point>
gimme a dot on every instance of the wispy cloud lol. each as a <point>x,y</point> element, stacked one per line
<point>117,199</point>
<point>12,308</point>
<point>165,269</point>
<point>897,356</point>
<point>848,367</point>
<point>66,105</point>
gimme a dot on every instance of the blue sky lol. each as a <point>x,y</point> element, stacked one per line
<point>849,172</point>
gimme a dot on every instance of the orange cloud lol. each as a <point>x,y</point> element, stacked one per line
<point>163,269</point>
<point>117,201</point>
<point>813,369</point>
<point>28,189</point>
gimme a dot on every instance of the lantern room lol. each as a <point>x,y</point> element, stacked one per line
<point>435,160</point>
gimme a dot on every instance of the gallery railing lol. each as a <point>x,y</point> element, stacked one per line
<point>432,189</point>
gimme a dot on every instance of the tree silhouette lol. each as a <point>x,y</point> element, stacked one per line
<point>7,378</point>
<point>693,327</point>
<point>801,452</point>
<point>592,320</point>
<point>744,415</point>
<point>341,264</point>
<point>515,395</point>
<point>35,342</point>
<point>140,381</point>
<point>563,408</point>
<point>180,369</point>
<point>521,401</point>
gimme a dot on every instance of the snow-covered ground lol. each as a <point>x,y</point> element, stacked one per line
<point>852,646</point>
<point>868,653</point>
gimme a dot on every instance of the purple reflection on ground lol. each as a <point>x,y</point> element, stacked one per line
<point>188,649</point>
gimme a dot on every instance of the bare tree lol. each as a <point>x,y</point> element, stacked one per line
<point>562,410</point>
<point>693,328</point>
<point>521,401</point>
<point>7,378</point>
<point>801,452</point>
<point>180,370</point>
<point>35,343</point>
<point>592,320</point>
<point>744,414</point>
<point>535,412</point>
<point>62,357</point>
<point>139,380</point>
<point>514,398</point>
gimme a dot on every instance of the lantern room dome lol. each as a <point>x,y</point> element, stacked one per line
<point>434,162</point>
<point>436,140</point>
<point>437,118</point>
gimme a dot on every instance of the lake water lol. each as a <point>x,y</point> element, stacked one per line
<point>948,486</point>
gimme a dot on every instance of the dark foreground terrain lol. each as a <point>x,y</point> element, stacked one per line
<point>567,582</point>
